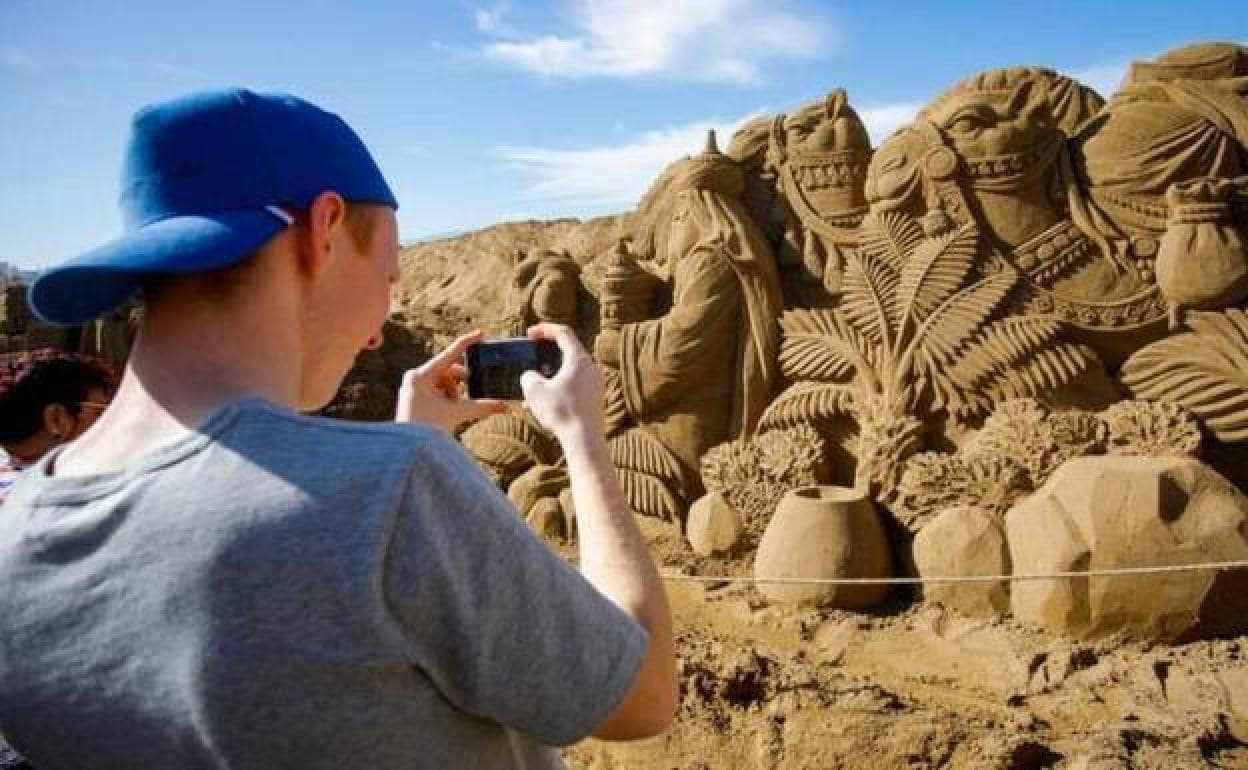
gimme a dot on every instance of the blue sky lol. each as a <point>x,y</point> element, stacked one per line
<point>480,112</point>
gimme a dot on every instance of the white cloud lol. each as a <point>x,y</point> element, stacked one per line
<point>487,20</point>
<point>618,175</point>
<point>612,175</point>
<point>1105,77</point>
<point>722,41</point>
<point>883,119</point>
<point>491,20</point>
<point>1102,78</point>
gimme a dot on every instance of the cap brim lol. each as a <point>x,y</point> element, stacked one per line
<point>84,288</point>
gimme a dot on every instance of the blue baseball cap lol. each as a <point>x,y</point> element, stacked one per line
<point>204,180</point>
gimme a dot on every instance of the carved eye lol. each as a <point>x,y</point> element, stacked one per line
<point>969,121</point>
<point>964,125</point>
<point>893,163</point>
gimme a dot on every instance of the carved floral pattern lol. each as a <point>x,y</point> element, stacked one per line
<point>753,474</point>
<point>1151,429</point>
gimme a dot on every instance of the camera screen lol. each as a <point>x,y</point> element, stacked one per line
<point>495,368</point>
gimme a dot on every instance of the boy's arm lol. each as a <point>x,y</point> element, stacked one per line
<point>614,556</point>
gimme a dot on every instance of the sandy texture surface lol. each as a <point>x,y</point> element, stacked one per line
<point>462,282</point>
<point>910,685</point>
<point>918,686</point>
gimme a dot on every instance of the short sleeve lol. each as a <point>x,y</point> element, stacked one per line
<point>503,627</point>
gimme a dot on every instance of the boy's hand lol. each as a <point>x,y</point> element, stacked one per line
<point>569,404</point>
<point>433,392</point>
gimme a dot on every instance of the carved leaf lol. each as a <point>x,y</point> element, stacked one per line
<point>870,295</point>
<point>956,321</point>
<point>937,269</point>
<point>812,358</point>
<point>648,496</point>
<point>509,441</point>
<point>891,237</point>
<point>821,322</point>
<point>814,347</point>
<point>1001,344</point>
<point>1044,371</point>
<point>639,452</point>
<point>808,402</point>
<point>509,456</point>
<point>1204,370</point>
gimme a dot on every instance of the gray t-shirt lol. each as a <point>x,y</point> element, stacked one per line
<point>280,591</point>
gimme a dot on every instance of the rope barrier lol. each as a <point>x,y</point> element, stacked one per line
<point>1217,566</point>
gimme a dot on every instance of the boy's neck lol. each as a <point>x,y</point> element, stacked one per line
<point>184,366</point>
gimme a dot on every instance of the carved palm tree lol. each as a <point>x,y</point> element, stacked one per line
<point>1203,369</point>
<point>920,329</point>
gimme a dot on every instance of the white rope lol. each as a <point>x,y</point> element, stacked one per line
<point>1217,566</point>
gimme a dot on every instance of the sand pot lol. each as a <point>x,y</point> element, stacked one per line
<point>824,532</point>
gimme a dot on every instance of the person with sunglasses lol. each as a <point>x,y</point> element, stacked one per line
<point>47,398</point>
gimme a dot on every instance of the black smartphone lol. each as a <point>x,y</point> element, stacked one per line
<point>494,367</point>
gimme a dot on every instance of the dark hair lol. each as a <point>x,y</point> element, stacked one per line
<point>29,382</point>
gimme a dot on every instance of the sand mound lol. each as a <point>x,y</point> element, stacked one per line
<point>457,283</point>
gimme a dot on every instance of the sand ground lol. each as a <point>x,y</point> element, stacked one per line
<point>917,686</point>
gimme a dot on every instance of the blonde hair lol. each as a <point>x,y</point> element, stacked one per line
<point>361,223</point>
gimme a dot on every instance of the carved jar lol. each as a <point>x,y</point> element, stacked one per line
<point>824,532</point>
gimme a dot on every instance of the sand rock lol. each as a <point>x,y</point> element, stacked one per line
<point>713,526</point>
<point>824,532</point>
<point>965,541</point>
<point>1114,512</point>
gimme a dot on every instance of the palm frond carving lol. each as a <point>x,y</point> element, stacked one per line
<point>650,475</point>
<point>805,402</point>
<point>938,269</point>
<point>1204,370</point>
<point>870,287</point>
<point>506,445</point>
<point>921,327</point>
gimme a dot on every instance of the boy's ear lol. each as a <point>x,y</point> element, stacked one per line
<point>326,217</point>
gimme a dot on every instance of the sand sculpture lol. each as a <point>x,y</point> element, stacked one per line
<point>703,371</point>
<point>920,322</point>
<point>547,286</point>
<point>805,186</point>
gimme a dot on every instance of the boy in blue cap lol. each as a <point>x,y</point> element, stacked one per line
<point>208,579</point>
